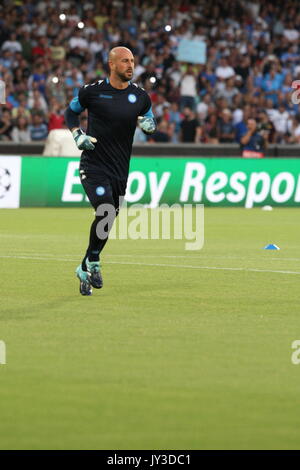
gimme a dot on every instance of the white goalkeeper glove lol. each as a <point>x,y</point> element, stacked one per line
<point>147,124</point>
<point>83,141</point>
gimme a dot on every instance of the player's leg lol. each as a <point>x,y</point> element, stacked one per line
<point>96,243</point>
<point>118,192</point>
<point>91,260</point>
<point>99,192</point>
<point>112,193</point>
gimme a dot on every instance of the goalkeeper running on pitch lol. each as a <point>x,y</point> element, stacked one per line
<point>114,105</point>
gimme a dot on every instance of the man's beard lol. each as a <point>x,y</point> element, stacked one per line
<point>122,77</point>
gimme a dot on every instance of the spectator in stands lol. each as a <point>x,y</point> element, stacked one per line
<point>57,50</point>
<point>161,135</point>
<point>173,136</point>
<point>190,127</point>
<point>175,73</point>
<point>252,55</point>
<point>138,69</point>
<point>55,85</point>
<point>77,41</point>
<point>36,101</point>
<point>149,74</point>
<point>229,91</point>
<point>253,143</point>
<point>243,68</point>
<point>202,107</point>
<point>210,132</point>
<point>237,115</point>
<point>20,132</point>
<point>11,97</point>
<point>241,126</point>
<point>21,110</point>
<point>272,83</point>
<point>38,78</point>
<point>12,44</point>
<point>38,129</point>
<point>173,92</point>
<point>56,116</point>
<point>74,81</point>
<point>226,132</point>
<point>265,124</point>
<point>188,89</point>
<point>6,59</point>
<point>5,125</point>
<point>41,49</point>
<point>281,122</point>
<point>160,105</point>
<point>290,32</point>
<point>26,45</point>
<point>175,118</point>
<point>294,130</point>
<point>224,70</point>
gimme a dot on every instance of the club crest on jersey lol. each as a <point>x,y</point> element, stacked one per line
<point>100,191</point>
<point>132,98</point>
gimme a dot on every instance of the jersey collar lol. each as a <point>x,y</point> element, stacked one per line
<point>107,81</point>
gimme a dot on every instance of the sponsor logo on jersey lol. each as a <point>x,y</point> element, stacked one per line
<point>132,98</point>
<point>105,96</point>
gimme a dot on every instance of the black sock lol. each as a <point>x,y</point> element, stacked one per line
<point>96,245</point>
<point>83,263</point>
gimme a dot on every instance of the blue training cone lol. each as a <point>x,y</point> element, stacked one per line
<point>271,247</point>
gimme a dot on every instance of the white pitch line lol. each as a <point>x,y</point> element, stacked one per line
<point>43,258</point>
<point>181,266</point>
<point>158,255</point>
<point>207,257</point>
<point>206,267</point>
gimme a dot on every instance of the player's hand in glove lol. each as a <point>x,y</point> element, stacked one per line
<point>147,124</point>
<point>83,141</point>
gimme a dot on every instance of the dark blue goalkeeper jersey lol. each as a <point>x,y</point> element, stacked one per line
<point>112,119</point>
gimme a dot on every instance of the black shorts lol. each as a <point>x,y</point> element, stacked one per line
<point>101,189</point>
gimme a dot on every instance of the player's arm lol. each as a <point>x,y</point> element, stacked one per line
<point>147,120</point>
<point>83,141</point>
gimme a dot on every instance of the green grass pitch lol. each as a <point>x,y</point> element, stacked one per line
<point>171,354</point>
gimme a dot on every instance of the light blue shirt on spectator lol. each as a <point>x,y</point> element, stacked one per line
<point>38,132</point>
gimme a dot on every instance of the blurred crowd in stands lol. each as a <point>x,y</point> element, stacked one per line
<point>49,49</point>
